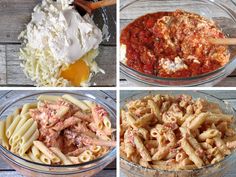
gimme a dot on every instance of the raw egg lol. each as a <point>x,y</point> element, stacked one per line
<point>76,73</point>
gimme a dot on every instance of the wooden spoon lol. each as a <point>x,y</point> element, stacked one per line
<point>223,41</point>
<point>90,6</point>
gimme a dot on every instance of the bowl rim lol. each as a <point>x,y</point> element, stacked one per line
<point>136,73</point>
<point>83,93</point>
<point>234,2</point>
<point>209,166</point>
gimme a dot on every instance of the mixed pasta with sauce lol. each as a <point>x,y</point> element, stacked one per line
<point>175,132</point>
<point>58,130</point>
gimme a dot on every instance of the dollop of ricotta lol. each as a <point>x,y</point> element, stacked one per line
<point>172,66</point>
<point>123,53</point>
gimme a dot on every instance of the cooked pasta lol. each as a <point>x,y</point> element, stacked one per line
<point>59,130</point>
<point>175,132</point>
<point>3,137</point>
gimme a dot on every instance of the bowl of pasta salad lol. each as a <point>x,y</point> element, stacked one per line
<point>58,133</point>
<point>176,133</point>
<point>167,43</point>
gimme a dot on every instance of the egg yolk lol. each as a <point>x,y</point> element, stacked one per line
<point>76,73</point>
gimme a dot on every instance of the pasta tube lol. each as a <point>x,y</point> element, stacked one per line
<point>107,122</point>
<point>45,159</point>
<point>49,98</point>
<point>141,148</point>
<point>191,153</point>
<point>85,156</point>
<point>59,154</point>
<point>77,102</point>
<point>28,133</point>
<point>74,160</point>
<point>3,138</point>
<point>9,120</point>
<point>27,106</point>
<point>144,120</point>
<point>47,152</point>
<point>29,143</point>
<point>21,131</point>
<point>35,151</point>
<point>155,110</point>
<point>12,127</point>
<point>197,122</point>
<point>32,157</point>
<point>23,119</point>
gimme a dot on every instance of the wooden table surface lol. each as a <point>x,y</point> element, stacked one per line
<point>7,171</point>
<point>227,96</point>
<point>15,14</point>
<point>138,11</point>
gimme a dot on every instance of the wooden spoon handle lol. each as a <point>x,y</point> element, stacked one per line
<point>223,41</point>
<point>99,4</point>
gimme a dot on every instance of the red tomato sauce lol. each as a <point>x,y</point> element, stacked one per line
<point>154,41</point>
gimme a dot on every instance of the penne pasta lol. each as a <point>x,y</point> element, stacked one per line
<point>142,149</point>
<point>144,163</point>
<point>213,118</point>
<point>23,119</point>
<point>9,120</point>
<point>27,106</point>
<point>90,104</point>
<point>161,153</point>
<point>28,133</point>
<point>191,153</point>
<point>144,133</point>
<point>45,159</point>
<point>61,112</point>
<point>85,156</point>
<point>77,102</point>
<point>95,149</point>
<point>21,131</point>
<point>37,131</point>
<point>49,98</point>
<point>210,133</point>
<point>175,132</point>
<point>33,158</point>
<point>144,120</point>
<point>3,138</point>
<point>231,144</point>
<point>155,110</point>
<point>47,152</point>
<point>107,122</point>
<point>35,151</point>
<point>59,154</point>
<point>198,121</point>
<point>154,133</point>
<point>25,147</point>
<point>74,160</point>
<point>12,127</point>
<point>130,120</point>
<point>221,145</point>
<point>26,156</point>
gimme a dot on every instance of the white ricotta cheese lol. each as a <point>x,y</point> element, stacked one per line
<point>193,58</point>
<point>123,53</point>
<point>172,66</point>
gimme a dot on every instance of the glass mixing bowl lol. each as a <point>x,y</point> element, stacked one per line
<point>15,99</point>
<point>131,169</point>
<point>224,17</point>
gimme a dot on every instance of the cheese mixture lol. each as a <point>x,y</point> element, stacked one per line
<point>59,45</point>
